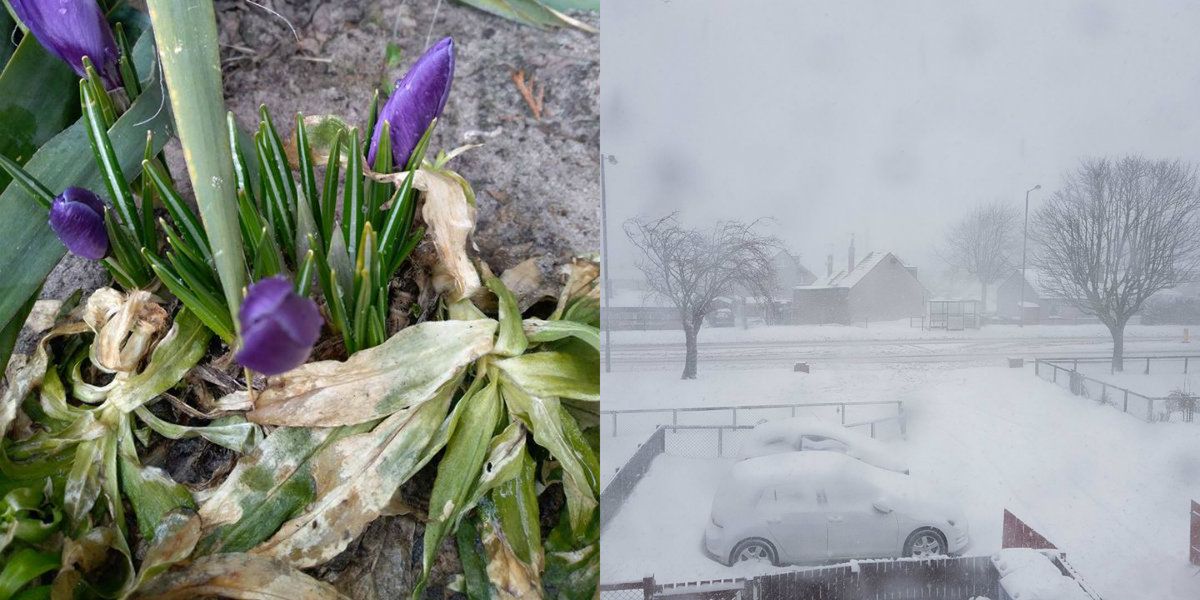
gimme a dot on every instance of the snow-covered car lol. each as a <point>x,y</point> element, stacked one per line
<point>799,434</point>
<point>803,507</point>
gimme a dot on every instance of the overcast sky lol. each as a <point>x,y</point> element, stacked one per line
<point>886,120</point>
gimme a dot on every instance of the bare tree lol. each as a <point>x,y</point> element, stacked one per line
<point>983,243</point>
<point>693,268</point>
<point>1116,233</point>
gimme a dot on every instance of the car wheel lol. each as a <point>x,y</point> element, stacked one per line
<point>753,551</point>
<point>925,543</point>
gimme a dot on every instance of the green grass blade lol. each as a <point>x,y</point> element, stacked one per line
<point>394,228</point>
<point>148,195</point>
<point>189,225</point>
<point>378,191</point>
<point>329,194</point>
<point>275,193</point>
<point>129,76</point>
<point>208,310</point>
<point>187,34</point>
<point>110,166</point>
<point>308,180</point>
<point>352,199</point>
<point>30,183</point>
<point>304,276</point>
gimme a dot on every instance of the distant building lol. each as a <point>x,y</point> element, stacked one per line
<point>1041,304</point>
<point>789,273</point>
<point>633,306</point>
<point>880,287</point>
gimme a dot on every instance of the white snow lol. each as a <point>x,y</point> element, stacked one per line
<point>1027,574</point>
<point>1110,491</point>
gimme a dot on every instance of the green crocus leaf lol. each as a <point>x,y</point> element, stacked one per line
<point>25,565</point>
<point>556,374</point>
<point>63,161</point>
<point>512,340</point>
<point>266,488</point>
<point>540,331</point>
<point>232,432</point>
<point>398,374</point>
<point>356,477</point>
<point>556,430</point>
<point>459,469</point>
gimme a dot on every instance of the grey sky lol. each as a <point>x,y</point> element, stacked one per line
<point>883,119</point>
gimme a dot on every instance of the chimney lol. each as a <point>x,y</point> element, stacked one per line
<point>850,255</point>
<point>829,265</point>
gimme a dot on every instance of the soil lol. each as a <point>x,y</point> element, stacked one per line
<point>536,177</point>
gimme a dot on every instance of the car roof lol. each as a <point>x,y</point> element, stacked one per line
<point>797,426</point>
<point>807,466</point>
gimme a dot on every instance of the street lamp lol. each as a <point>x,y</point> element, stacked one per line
<point>604,266</point>
<point>1024,246</point>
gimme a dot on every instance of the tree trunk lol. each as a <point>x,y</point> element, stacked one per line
<point>982,297</point>
<point>1118,336</point>
<point>689,361</point>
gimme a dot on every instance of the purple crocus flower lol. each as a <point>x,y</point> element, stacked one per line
<point>279,327</point>
<point>77,217</point>
<point>418,99</point>
<point>71,30</point>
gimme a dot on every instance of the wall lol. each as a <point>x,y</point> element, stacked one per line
<point>887,293</point>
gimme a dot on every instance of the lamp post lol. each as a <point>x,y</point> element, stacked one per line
<point>1024,246</point>
<point>604,266</point>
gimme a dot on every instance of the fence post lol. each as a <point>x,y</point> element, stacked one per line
<point>1075,365</point>
<point>872,429</point>
<point>674,416</point>
<point>748,589</point>
<point>735,416</point>
<point>614,427</point>
<point>793,410</point>
<point>648,588</point>
<point>720,442</point>
<point>1037,363</point>
<point>1126,407</point>
<point>1147,365</point>
<point>1055,373</point>
<point>1185,364</point>
<point>842,409</point>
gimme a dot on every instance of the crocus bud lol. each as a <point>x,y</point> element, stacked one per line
<point>71,30</point>
<point>418,99</point>
<point>279,327</point>
<point>77,217</point>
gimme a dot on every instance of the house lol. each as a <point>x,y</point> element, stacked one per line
<point>880,287</point>
<point>632,305</point>
<point>1041,304</point>
<point>789,273</point>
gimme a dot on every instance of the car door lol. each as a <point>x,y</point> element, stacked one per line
<point>856,528</point>
<point>797,523</point>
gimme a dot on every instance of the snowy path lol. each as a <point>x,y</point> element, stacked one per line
<point>1109,490</point>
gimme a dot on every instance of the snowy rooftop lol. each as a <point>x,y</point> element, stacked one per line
<point>850,279</point>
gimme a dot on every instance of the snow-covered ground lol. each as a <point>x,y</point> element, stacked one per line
<point>1165,376</point>
<point>894,342</point>
<point>1109,490</point>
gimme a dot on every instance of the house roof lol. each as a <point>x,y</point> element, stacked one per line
<point>1036,281</point>
<point>851,278</point>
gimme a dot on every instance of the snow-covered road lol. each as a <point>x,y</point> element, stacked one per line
<point>779,346</point>
<point>1109,490</point>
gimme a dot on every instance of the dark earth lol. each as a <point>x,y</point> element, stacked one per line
<point>537,180</point>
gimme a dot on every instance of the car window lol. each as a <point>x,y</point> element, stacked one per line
<point>849,492</point>
<point>820,442</point>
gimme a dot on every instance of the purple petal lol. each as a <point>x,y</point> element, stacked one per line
<point>419,98</point>
<point>85,196</point>
<point>268,349</point>
<point>279,327</point>
<point>80,226</point>
<point>263,298</point>
<point>70,30</point>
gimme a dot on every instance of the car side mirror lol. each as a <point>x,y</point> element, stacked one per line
<point>882,506</point>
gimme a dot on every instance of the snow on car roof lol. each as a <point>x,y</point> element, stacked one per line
<point>766,470</point>
<point>801,426</point>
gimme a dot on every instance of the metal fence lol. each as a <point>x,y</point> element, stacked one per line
<point>944,578</point>
<point>860,414</point>
<point>618,490</point>
<point>1064,372</point>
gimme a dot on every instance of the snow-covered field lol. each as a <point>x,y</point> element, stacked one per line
<point>890,330</point>
<point>1165,376</point>
<point>1109,490</point>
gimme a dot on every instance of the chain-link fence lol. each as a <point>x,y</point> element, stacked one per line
<point>643,421</point>
<point>1176,407</point>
